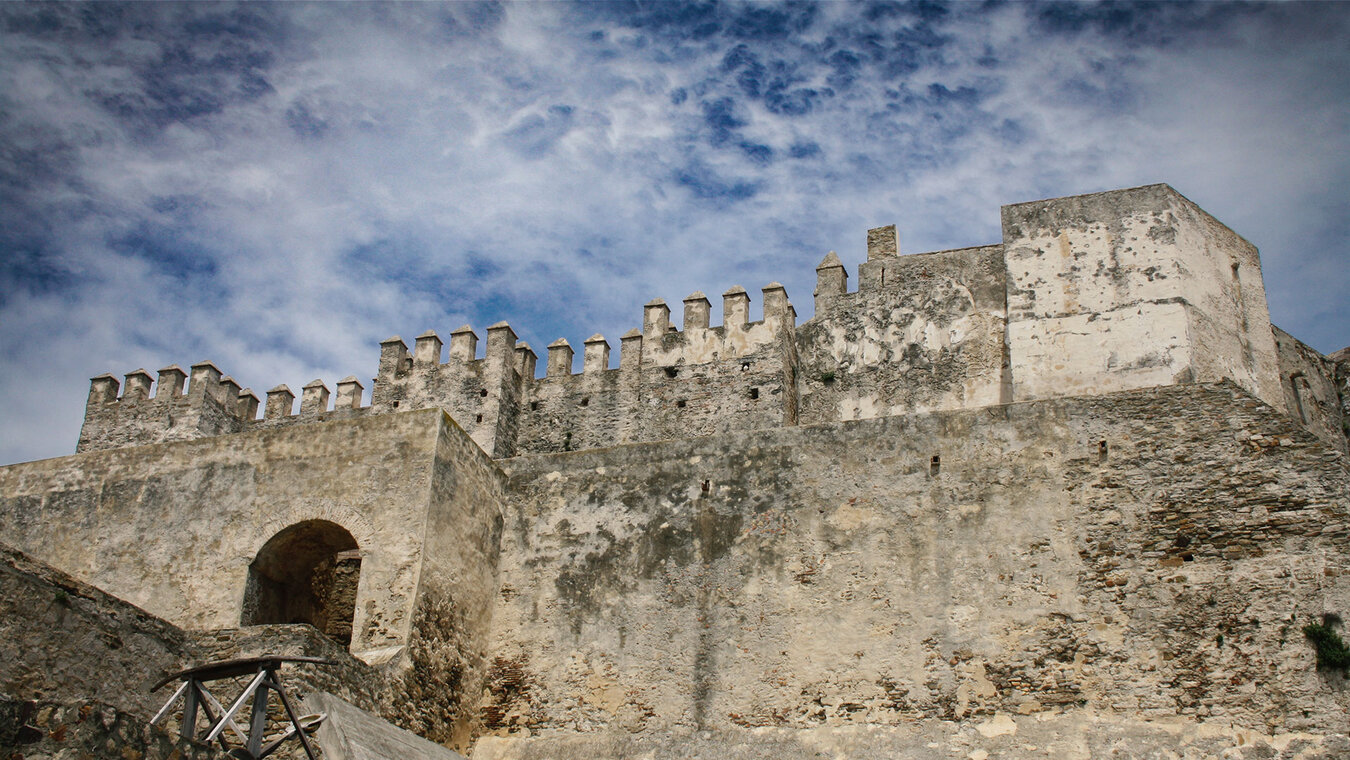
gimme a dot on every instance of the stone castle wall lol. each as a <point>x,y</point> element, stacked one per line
<point>1130,289</point>
<point>923,332</point>
<point>1088,294</point>
<point>372,477</point>
<point>1058,496</point>
<point>1122,555</point>
<point>1314,389</point>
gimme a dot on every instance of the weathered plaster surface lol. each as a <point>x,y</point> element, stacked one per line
<point>1075,734</point>
<point>833,576</point>
<point>438,695</point>
<point>173,527</point>
<point>1312,390</point>
<point>63,640</point>
<point>1132,288</point>
<point>923,333</point>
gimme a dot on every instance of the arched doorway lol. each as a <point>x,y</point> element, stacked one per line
<point>307,573</point>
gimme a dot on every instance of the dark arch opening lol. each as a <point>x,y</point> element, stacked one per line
<point>307,573</point>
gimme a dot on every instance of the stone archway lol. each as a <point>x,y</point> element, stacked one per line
<point>306,573</point>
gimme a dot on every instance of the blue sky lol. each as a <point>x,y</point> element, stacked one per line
<point>279,187</point>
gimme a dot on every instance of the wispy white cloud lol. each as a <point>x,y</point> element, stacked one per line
<point>278,187</point>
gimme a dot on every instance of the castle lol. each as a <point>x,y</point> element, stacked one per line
<point>1065,495</point>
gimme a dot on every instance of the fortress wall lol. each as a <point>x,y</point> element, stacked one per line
<point>482,395</point>
<point>1132,288</point>
<point>173,527</point>
<point>748,386</point>
<point>64,640</point>
<point>1071,735</point>
<point>439,694</point>
<point>1125,555</point>
<point>1227,293</point>
<point>923,332</point>
<point>211,406</point>
<point>704,379</point>
<point>1310,389</point>
<point>670,383</point>
<point>1087,294</point>
<point>570,412</point>
<point>1341,360</point>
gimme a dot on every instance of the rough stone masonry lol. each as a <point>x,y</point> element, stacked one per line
<point>1066,495</point>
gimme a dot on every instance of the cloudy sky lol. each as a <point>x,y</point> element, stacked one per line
<point>279,187</point>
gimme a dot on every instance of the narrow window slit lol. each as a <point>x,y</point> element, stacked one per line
<point>935,465</point>
<point>1296,384</point>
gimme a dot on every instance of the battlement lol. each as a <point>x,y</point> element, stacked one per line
<point>158,411</point>
<point>1084,295</point>
<point>154,411</point>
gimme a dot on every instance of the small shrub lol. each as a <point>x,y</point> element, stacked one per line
<point>1332,653</point>
<point>827,377</point>
<point>62,597</point>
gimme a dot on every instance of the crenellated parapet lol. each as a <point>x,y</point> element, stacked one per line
<point>923,332</point>
<point>1088,294</point>
<point>481,394</point>
<point>669,382</point>
<point>154,411</point>
<point>159,410</point>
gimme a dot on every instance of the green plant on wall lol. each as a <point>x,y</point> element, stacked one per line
<point>1332,653</point>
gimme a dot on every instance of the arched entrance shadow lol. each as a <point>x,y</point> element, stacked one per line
<point>306,573</point>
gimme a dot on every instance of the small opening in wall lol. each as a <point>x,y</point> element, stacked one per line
<point>1188,557</point>
<point>745,366</point>
<point>479,419</point>
<point>534,406</point>
<point>754,393</point>
<point>396,404</point>
<point>672,372</point>
<point>585,402</point>
<point>483,393</point>
<point>1297,384</point>
<point>935,465</point>
<point>1236,268</point>
<point>681,403</point>
<point>706,486</point>
<point>1101,451</point>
